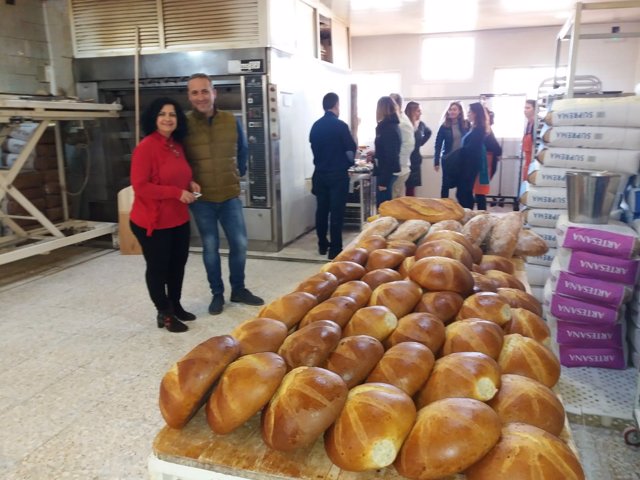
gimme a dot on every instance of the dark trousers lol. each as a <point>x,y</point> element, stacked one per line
<point>165,252</point>
<point>466,180</point>
<point>331,190</point>
<point>481,202</point>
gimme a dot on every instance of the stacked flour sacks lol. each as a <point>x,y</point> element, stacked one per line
<point>592,279</point>
<point>583,134</point>
<point>413,354</point>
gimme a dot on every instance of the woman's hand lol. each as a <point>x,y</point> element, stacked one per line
<point>194,187</point>
<point>187,197</point>
<point>436,168</point>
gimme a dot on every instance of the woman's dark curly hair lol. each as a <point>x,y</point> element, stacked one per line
<point>150,117</point>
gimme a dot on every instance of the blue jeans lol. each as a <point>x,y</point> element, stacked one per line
<point>386,194</point>
<point>229,214</point>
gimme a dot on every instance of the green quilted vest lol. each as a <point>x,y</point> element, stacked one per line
<point>211,149</point>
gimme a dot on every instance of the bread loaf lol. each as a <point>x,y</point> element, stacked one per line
<point>464,375</point>
<point>448,437</point>
<point>527,452</point>
<point>504,280</point>
<point>528,357</point>
<point>400,296</point>
<point>344,271</point>
<point>482,283</point>
<point>245,387</point>
<point>452,225</point>
<point>486,305</point>
<point>405,266</point>
<point>477,229</point>
<point>406,365</point>
<point>504,235</point>
<point>187,384</point>
<point>375,278</point>
<point>384,258</point>
<point>473,335</point>
<point>260,335</point>
<point>469,214</point>
<point>475,251</point>
<point>405,246</point>
<point>321,285</point>
<point>530,244</point>
<point>376,321</point>
<point>356,289</point>
<point>496,262</point>
<point>311,345</point>
<point>382,226</point>
<point>440,274</point>
<point>411,230</point>
<point>444,305</point>
<point>445,248</point>
<point>307,402</point>
<point>372,243</point>
<point>524,400</point>
<point>517,298</point>
<point>353,254</point>
<point>336,309</point>
<point>428,209</point>
<point>528,324</point>
<point>354,358</point>
<point>370,429</point>
<point>423,328</point>
<point>290,308</point>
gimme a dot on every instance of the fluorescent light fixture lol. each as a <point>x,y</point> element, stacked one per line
<point>550,6</point>
<point>195,53</point>
<point>381,5</point>
<point>450,16</point>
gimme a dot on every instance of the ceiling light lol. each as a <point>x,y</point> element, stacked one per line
<point>377,4</point>
<point>549,6</point>
<point>452,16</point>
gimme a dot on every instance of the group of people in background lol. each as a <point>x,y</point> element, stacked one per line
<point>189,162</point>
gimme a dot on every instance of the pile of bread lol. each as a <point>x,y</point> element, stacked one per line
<point>426,355</point>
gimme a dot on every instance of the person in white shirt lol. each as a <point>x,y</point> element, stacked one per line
<point>406,147</point>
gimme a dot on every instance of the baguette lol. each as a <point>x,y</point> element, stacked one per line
<point>428,209</point>
<point>411,230</point>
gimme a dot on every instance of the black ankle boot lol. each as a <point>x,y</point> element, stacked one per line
<point>170,322</point>
<point>181,313</point>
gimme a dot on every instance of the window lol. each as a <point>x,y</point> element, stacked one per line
<point>512,87</point>
<point>448,58</point>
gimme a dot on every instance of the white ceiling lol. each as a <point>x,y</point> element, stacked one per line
<point>389,17</point>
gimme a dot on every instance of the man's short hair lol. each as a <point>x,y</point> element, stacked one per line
<point>199,75</point>
<point>329,101</point>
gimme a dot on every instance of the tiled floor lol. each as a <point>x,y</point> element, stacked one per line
<point>83,361</point>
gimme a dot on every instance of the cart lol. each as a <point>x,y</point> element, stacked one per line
<point>632,433</point>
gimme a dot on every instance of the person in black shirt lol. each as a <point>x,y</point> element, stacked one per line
<point>333,154</point>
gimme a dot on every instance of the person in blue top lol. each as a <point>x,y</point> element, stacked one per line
<point>333,150</point>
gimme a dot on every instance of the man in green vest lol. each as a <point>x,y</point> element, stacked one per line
<point>217,151</point>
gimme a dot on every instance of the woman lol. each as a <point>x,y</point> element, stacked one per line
<point>448,139</point>
<point>387,148</point>
<point>163,187</point>
<point>422,133</point>
<point>493,154</point>
<point>527,139</point>
<point>473,155</point>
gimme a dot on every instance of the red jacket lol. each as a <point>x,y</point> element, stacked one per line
<point>159,174</point>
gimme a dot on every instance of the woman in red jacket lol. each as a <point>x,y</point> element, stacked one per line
<point>163,187</point>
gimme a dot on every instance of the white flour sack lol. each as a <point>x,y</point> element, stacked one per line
<point>544,197</point>
<point>542,217</point>
<point>593,137</point>
<point>610,112</point>
<point>619,161</point>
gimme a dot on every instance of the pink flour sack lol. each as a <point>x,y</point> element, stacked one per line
<point>592,289</point>
<point>591,265</point>
<point>597,336</point>
<point>614,239</point>
<point>572,356</point>
<point>579,311</point>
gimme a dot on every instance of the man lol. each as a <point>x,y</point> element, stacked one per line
<point>333,153</point>
<point>216,148</point>
<point>408,143</point>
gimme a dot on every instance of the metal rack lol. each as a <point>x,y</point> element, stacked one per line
<point>361,199</point>
<point>45,112</point>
